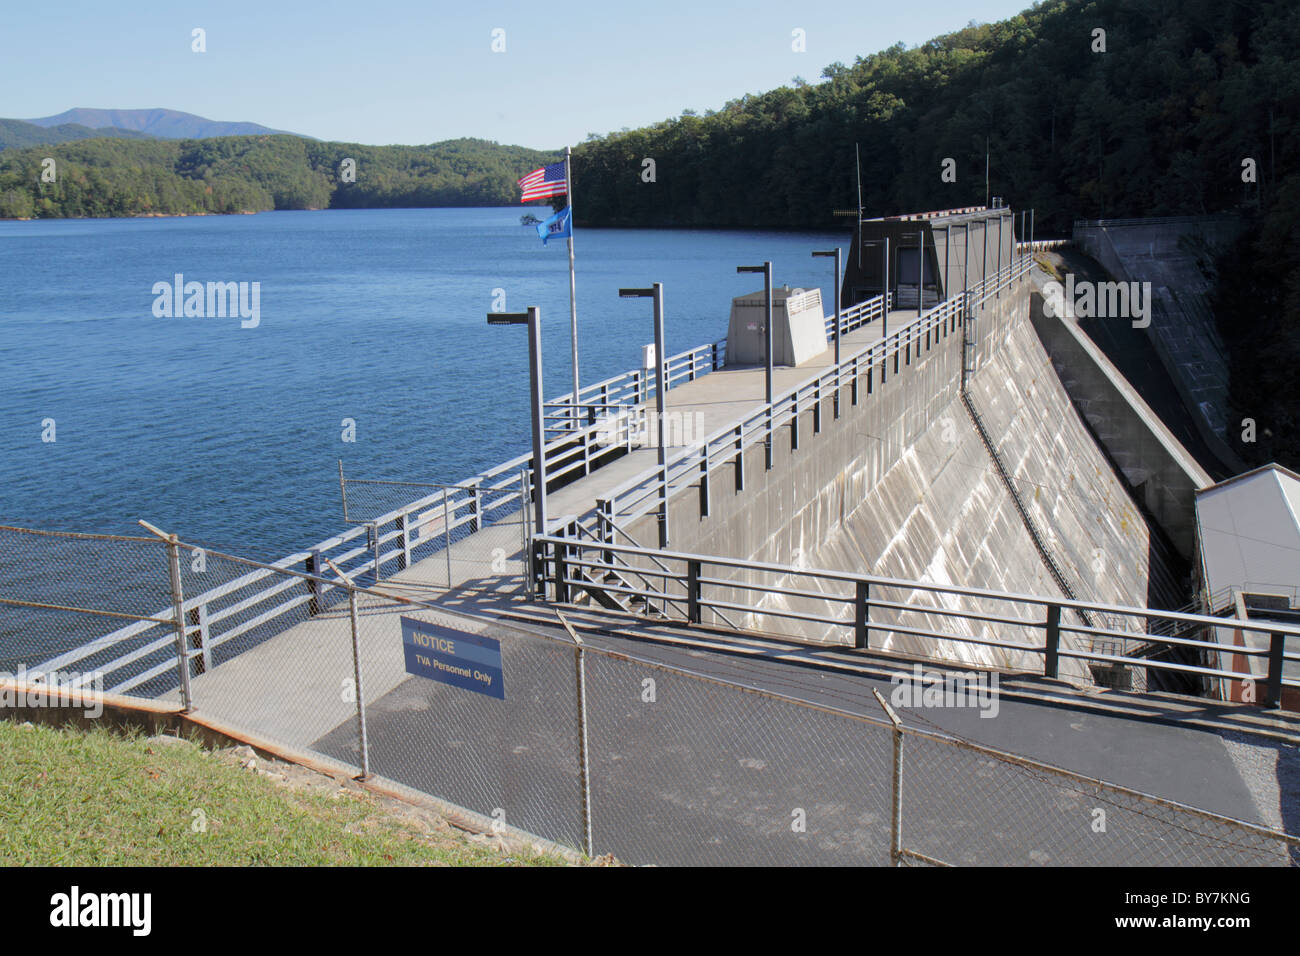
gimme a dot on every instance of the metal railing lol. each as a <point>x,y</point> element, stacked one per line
<point>693,466</point>
<point>638,387</point>
<point>567,754</point>
<point>851,608</point>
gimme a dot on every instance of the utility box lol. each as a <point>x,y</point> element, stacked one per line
<point>798,327</point>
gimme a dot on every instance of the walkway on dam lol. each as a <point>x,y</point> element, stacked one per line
<point>720,398</point>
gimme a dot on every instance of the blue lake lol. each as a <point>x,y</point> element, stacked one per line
<point>230,435</point>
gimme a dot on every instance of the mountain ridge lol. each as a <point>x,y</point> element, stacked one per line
<point>158,122</point>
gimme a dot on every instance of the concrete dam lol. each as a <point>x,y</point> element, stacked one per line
<point>963,461</point>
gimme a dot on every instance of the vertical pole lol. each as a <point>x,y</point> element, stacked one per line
<point>573,294</point>
<point>1031,230</point>
<point>999,254</point>
<point>838,273</point>
<point>767,349</point>
<point>446,530</point>
<point>920,274</point>
<point>861,615</point>
<point>374,530</point>
<point>693,591</point>
<point>965,258</point>
<point>539,443</point>
<point>984,254</point>
<point>661,386</point>
<point>178,601</point>
<point>1276,645</point>
<point>884,314</point>
<point>584,765</point>
<point>1052,641</point>
<point>343,490</point>
<point>896,816</point>
<point>531,570</point>
<point>947,256</point>
<point>312,566</point>
<point>356,677</point>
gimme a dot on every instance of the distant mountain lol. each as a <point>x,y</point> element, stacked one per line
<point>18,133</point>
<point>159,123</point>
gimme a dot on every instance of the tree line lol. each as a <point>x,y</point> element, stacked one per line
<point>1085,109</point>
<point>120,177</point>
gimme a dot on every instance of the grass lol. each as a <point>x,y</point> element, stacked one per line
<point>74,797</point>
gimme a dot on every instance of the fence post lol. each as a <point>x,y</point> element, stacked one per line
<point>584,766</point>
<point>605,519</point>
<point>740,458</point>
<point>526,555</point>
<point>896,822</point>
<point>476,519</point>
<point>446,533</point>
<point>561,575</point>
<point>374,531</point>
<point>405,524</point>
<point>356,677</point>
<point>704,481</point>
<point>1276,645</point>
<point>861,615</point>
<point>178,601</point>
<point>693,591</point>
<point>1051,661</point>
<point>313,564</point>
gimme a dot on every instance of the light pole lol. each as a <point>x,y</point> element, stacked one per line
<point>836,253</point>
<point>766,269</point>
<point>656,292</point>
<point>533,319</point>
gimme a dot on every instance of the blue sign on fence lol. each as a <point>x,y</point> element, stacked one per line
<point>465,660</point>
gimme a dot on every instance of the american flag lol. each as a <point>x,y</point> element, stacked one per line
<point>540,183</point>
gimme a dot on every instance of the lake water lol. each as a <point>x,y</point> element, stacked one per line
<point>230,435</point>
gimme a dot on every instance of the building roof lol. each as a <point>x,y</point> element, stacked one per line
<point>1249,532</point>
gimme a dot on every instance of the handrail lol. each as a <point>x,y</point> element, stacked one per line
<point>693,581</point>
<point>640,488</point>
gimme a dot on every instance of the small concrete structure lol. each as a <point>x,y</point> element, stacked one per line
<point>798,327</point>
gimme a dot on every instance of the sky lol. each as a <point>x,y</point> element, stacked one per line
<point>404,71</point>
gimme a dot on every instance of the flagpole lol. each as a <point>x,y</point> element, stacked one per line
<point>573,296</point>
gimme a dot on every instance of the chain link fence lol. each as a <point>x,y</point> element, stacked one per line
<point>575,744</point>
<point>472,536</point>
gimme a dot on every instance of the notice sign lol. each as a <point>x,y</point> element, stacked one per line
<point>469,661</point>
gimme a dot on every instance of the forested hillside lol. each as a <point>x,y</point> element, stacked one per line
<point>119,177</point>
<point>19,133</point>
<point>1158,124</point>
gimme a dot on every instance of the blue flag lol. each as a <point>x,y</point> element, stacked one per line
<point>556,227</point>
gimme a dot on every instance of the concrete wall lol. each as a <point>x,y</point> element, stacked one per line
<point>1151,458</point>
<point>902,486</point>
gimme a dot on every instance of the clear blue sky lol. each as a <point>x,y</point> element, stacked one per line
<point>418,71</point>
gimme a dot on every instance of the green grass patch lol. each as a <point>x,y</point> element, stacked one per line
<point>73,797</point>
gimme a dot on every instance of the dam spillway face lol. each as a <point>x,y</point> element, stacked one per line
<point>904,485</point>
